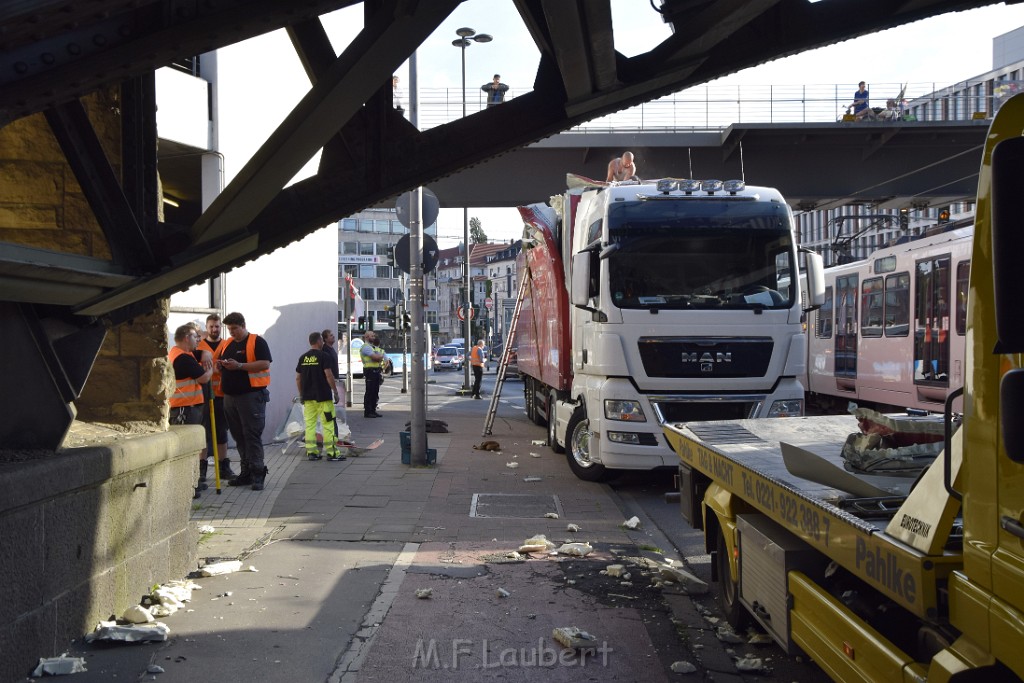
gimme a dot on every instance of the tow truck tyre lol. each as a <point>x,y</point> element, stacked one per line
<point>577,448</point>
<point>552,424</point>
<point>728,590</point>
<point>528,401</point>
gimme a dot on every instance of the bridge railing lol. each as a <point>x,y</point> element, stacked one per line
<point>715,106</point>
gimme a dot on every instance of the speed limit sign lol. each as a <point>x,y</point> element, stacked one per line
<point>461,312</point>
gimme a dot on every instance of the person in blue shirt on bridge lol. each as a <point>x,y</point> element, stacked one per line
<point>860,102</point>
<point>495,91</point>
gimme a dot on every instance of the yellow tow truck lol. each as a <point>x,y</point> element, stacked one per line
<point>886,578</point>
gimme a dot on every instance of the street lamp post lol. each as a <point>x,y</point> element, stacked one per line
<point>467,37</point>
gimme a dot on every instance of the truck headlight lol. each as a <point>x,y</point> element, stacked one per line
<point>624,411</point>
<point>793,407</point>
<point>630,438</point>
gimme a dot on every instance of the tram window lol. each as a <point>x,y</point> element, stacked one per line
<point>932,320</point>
<point>823,328</point>
<point>897,305</point>
<point>871,307</point>
<point>963,276</point>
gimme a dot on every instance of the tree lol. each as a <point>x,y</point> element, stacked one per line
<point>476,231</point>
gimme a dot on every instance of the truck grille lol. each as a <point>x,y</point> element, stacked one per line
<point>705,357</point>
<point>670,411</point>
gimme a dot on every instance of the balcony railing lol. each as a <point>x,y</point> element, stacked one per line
<point>719,106</point>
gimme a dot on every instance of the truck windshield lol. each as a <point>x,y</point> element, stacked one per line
<point>700,253</point>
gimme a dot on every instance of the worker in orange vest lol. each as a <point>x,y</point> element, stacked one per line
<point>244,379</point>
<point>214,344</point>
<point>476,359</point>
<point>189,378</point>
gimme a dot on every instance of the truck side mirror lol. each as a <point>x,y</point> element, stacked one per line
<point>580,286</point>
<point>815,280</point>
<point>1007,243</point>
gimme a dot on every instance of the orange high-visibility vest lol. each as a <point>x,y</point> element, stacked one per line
<point>476,356</point>
<point>216,353</point>
<point>259,378</point>
<point>188,391</point>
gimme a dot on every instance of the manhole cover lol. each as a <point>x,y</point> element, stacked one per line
<point>519,505</point>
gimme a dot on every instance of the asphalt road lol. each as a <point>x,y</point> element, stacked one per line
<point>643,494</point>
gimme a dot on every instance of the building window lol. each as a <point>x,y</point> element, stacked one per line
<point>381,226</point>
<point>367,293</point>
<point>348,224</point>
<point>383,294</point>
<point>365,225</point>
<point>351,270</point>
<point>366,249</point>
<point>367,271</point>
<point>350,248</point>
<point>384,271</point>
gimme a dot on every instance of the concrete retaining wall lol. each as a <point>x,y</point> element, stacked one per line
<point>85,533</point>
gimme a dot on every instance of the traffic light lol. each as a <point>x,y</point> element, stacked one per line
<point>904,219</point>
<point>944,216</point>
<point>369,320</point>
<point>391,256</point>
<point>362,323</point>
<point>406,321</point>
<point>391,313</point>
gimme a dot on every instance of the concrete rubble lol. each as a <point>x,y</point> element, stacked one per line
<point>59,666</point>
<point>682,667</point>
<point>573,637</point>
<point>632,523</point>
<point>129,633</point>
<point>692,584</point>
<point>575,549</point>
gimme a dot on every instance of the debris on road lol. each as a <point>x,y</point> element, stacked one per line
<point>749,664</point>
<point>727,635</point>
<point>137,614</point>
<point>615,570</point>
<point>155,669</point>
<point>682,667</point>
<point>424,593</point>
<point>206,529</point>
<point>502,593</point>
<point>632,523</point>
<point>572,637</point>
<point>129,633</point>
<point>576,549</point>
<point>551,515</point>
<point>572,528</point>
<point>539,442</point>
<point>218,568</point>
<point>534,455</point>
<point>60,666</point>
<point>688,581</point>
<point>537,544</point>
<point>511,465</point>
<point>532,479</point>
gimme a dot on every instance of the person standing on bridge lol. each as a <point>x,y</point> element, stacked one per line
<point>622,168</point>
<point>860,102</point>
<point>495,91</point>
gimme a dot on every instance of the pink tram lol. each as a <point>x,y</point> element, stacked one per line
<point>892,329</point>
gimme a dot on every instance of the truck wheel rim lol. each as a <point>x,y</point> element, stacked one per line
<point>581,444</point>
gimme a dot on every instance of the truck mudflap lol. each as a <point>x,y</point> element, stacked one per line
<point>749,465</point>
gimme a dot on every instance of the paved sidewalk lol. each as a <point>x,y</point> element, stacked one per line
<point>342,548</point>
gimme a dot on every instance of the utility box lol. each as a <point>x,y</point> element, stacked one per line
<point>405,438</point>
<point>767,554</point>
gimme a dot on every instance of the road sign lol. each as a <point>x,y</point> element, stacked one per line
<point>431,208</point>
<point>461,312</point>
<point>489,303</point>
<point>430,252</point>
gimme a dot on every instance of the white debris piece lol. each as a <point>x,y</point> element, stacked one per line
<point>514,555</point>
<point>60,666</point>
<point>682,667</point>
<point>206,529</point>
<point>218,568</point>
<point>159,611</point>
<point>691,583</point>
<point>137,614</point>
<point>577,549</point>
<point>154,669</point>
<point>134,633</point>
<point>511,465</point>
<point>727,635</point>
<point>572,637</point>
<point>551,515</point>
<point>632,523</point>
<point>749,664</point>
<point>537,544</point>
<point>424,593</point>
<point>534,455</point>
<point>532,479</point>
<point>615,570</point>
<point>539,442</point>
<point>572,528</point>
<point>759,639</point>
<point>502,593</point>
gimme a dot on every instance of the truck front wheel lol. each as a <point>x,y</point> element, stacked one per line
<point>729,590</point>
<point>577,448</point>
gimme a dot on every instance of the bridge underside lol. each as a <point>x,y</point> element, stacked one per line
<point>54,52</point>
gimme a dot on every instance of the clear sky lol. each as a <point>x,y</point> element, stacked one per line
<point>261,79</point>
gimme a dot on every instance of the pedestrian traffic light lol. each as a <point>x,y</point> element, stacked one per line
<point>369,320</point>
<point>904,219</point>
<point>406,321</point>
<point>362,323</point>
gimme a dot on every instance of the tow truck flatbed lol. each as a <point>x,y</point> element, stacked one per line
<point>745,458</point>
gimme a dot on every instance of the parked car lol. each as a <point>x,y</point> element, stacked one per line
<point>448,358</point>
